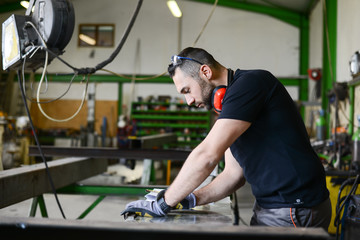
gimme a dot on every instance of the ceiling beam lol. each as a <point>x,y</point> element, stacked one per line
<point>287,16</point>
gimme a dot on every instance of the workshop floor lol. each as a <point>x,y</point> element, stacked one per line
<point>110,207</point>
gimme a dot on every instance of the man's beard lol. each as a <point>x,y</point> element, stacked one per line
<point>206,94</point>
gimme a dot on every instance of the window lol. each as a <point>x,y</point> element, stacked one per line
<point>96,35</point>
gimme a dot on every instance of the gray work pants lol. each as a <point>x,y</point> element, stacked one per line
<point>318,216</point>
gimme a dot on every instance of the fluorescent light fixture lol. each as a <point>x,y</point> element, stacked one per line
<point>25,4</point>
<point>87,39</point>
<point>174,8</point>
<point>10,43</point>
<point>21,35</point>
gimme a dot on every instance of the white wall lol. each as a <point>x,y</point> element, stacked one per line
<point>348,41</point>
<point>348,36</point>
<point>238,39</point>
<point>315,43</point>
<point>315,61</point>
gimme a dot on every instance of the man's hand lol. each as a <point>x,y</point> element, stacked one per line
<point>187,203</point>
<point>158,207</point>
<point>143,208</point>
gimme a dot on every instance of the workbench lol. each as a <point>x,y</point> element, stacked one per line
<point>213,221</point>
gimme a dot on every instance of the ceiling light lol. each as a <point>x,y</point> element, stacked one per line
<point>25,4</point>
<point>50,26</point>
<point>174,8</point>
<point>87,39</point>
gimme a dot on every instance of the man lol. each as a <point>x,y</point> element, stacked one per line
<point>263,138</point>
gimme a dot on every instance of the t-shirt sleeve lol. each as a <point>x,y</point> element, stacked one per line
<point>245,98</point>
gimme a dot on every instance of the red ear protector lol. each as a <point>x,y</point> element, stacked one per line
<point>219,93</point>
<point>217,97</point>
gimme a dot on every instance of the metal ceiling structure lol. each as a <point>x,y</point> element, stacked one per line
<point>296,6</point>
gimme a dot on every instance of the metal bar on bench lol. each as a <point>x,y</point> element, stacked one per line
<point>135,190</point>
<point>115,153</point>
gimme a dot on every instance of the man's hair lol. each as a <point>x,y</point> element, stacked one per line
<point>191,68</point>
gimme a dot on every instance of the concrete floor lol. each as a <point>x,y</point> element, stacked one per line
<point>110,207</point>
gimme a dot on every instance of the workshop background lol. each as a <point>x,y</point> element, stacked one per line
<point>308,44</point>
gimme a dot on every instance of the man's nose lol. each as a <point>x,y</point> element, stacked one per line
<point>189,100</point>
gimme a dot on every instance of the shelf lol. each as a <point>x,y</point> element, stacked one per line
<point>169,117</point>
<point>190,124</point>
<point>172,125</point>
<point>146,132</point>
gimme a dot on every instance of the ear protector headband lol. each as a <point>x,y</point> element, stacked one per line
<point>219,93</point>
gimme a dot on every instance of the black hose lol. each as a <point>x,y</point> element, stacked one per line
<point>38,145</point>
<point>235,210</point>
<point>118,48</point>
<point>339,206</point>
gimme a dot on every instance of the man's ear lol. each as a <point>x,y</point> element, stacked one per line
<point>206,72</point>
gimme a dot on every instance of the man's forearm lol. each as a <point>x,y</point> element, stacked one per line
<point>222,186</point>
<point>195,170</point>
<point>203,159</point>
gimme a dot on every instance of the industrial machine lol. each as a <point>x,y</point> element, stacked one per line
<point>49,28</point>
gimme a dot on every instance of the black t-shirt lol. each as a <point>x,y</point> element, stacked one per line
<point>275,152</point>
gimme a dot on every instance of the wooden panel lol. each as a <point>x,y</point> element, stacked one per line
<point>63,109</point>
<point>22,183</point>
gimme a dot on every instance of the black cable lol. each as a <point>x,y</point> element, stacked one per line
<point>39,146</point>
<point>88,70</point>
<point>51,100</point>
<point>343,185</point>
<point>54,99</point>
<point>126,34</point>
<point>82,71</point>
<point>117,50</point>
<point>62,60</point>
<point>235,210</point>
<point>339,206</point>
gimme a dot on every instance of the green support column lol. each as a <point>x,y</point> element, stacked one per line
<point>351,109</point>
<point>329,55</point>
<point>120,89</point>
<point>304,59</point>
<point>39,200</point>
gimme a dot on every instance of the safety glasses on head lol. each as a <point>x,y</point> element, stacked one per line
<point>177,60</point>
